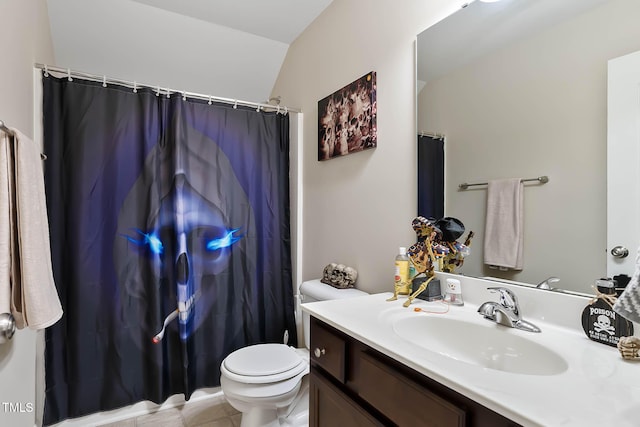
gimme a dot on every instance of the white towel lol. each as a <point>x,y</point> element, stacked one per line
<point>628,303</point>
<point>503,236</point>
<point>34,299</point>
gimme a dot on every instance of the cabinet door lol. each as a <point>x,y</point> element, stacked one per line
<point>329,407</point>
<point>402,400</point>
<point>328,349</point>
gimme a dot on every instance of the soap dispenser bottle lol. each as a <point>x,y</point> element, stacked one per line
<point>402,282</point>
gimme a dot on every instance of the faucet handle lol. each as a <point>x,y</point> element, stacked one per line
<point>546,284</point>
<point>507,299</point>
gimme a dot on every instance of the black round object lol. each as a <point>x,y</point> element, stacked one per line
<point>452,228</point>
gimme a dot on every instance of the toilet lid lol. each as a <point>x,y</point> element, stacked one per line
<point>262,359</point>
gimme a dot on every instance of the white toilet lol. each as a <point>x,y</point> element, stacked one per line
<point>268,382</point>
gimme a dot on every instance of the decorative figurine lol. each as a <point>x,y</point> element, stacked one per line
<point>436,243</point>
<point>629,347</point>
<point>425,253</point>
<point>458,251</point>
<point>600,322</point>
<point>339,276</point>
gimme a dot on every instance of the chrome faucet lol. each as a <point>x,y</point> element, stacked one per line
<point>506,312</point>
<point>546,284</point>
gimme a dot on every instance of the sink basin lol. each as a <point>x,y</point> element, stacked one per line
<point>482,344</point>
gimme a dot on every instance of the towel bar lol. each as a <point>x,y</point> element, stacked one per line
<point>541,179</point>
<point>5,129</point>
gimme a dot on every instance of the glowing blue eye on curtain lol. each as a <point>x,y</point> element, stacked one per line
<point>154,243</point>
<point>150,240</point>
<point>225,241</point>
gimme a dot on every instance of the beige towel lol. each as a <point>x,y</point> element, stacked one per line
<point>34,299</point>
<point>503,237</point>
<point>6,170</point>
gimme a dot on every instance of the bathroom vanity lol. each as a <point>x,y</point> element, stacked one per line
<point>353,384</point>
<point>374,362</point>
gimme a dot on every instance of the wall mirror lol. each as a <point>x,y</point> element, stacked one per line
<point>519,89</point>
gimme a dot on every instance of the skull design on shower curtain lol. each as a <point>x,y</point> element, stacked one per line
<point>177,231</point>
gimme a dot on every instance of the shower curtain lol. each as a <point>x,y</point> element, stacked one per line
<point>430,177</point>
<point>170,241</point>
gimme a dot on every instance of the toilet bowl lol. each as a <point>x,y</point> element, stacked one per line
<point>268,383</point>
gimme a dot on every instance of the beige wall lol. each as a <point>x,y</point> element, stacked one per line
<point>357,209</point>
<point>24,40</point>
<point>537,108</point>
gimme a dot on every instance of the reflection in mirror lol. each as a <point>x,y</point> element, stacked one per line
<point>519,89</point>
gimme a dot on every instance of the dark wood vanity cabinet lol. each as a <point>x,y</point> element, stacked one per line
<point>352,384</point>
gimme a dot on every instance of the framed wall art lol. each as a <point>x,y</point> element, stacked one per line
<point>347,119</point>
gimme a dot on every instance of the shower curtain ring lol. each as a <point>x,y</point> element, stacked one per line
<point>69,75</point>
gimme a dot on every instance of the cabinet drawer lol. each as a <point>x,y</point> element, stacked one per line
<point>328,349</point>
<point>402,400</point>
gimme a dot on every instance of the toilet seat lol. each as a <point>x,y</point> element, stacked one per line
<point>273,393</point>
<point>263,363</point>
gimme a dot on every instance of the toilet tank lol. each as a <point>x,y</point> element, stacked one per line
<point>315,290</point>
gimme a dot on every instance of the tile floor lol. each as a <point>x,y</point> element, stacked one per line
<point>209,413</point>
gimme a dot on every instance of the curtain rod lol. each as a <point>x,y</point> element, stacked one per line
<point>541,179</point>
<point>162,90</point>
<point>431,135</point>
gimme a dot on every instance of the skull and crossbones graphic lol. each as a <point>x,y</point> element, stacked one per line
<point>603,324</point>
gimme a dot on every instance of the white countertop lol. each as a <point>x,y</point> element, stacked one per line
<point>598,388</point>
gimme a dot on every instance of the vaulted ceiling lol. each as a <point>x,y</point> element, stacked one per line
<point>232,49</point>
